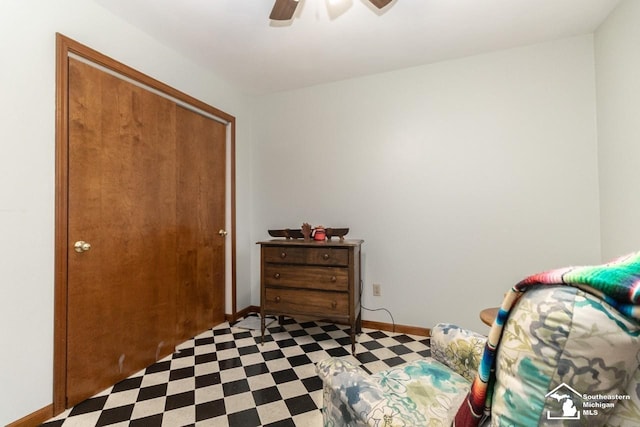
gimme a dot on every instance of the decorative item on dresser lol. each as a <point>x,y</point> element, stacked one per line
<point>311,279</point>
<point>305,232</point>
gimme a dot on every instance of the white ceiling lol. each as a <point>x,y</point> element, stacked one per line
<point>331,40</point>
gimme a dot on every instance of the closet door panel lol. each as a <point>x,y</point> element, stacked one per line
<point>122,202</point>
<point>201,159</point>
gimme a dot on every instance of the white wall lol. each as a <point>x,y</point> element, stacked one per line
<point>27,115</point>
<point>462,177</point>
<point>618,94</point>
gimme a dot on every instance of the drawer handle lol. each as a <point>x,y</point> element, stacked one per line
<point>277,299</point>
<point>334,304</point>
<point>325,257</point>
<point>283,255</point>
<point>334,278</point>
<point>276,275</point>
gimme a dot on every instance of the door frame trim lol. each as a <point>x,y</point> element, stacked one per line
<point>64,47</point>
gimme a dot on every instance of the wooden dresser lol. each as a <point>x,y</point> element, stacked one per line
<point>311,279</point>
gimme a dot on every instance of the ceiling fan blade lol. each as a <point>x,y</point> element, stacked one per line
<point>380,3</point>
<point>283,10</point>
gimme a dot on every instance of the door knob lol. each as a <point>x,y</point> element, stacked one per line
<point>222,232</point>
<point>81,246</point>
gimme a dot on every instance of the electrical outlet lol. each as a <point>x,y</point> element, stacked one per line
<point>376,290</point>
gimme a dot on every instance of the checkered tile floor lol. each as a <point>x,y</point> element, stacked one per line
<point>224,377</point>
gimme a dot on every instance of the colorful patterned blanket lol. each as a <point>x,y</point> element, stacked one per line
<point>616,282</point>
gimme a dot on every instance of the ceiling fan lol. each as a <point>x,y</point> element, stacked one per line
<point>283,9</point>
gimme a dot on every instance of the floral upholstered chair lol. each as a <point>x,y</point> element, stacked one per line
<point>561,348</point>
<point>424,392</point>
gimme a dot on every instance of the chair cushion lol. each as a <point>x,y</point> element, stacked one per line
<point>541,373</point>
<point>458,348</point>
<point>421,393</point>
<point>433,390</point>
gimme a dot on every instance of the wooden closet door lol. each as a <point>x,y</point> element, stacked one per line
<point>143,193</point>
<point>122,192</point>
<point>201,159</point>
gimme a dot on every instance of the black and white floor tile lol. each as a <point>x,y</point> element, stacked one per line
<point>225,377</point>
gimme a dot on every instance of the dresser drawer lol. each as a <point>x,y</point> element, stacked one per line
<point>279,254</point>
<point>304,255</point>
<point>328,256</point>
<point>308,277</point>
<point>306,302</point>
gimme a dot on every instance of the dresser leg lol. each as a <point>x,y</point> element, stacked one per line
<point>262,327</point>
